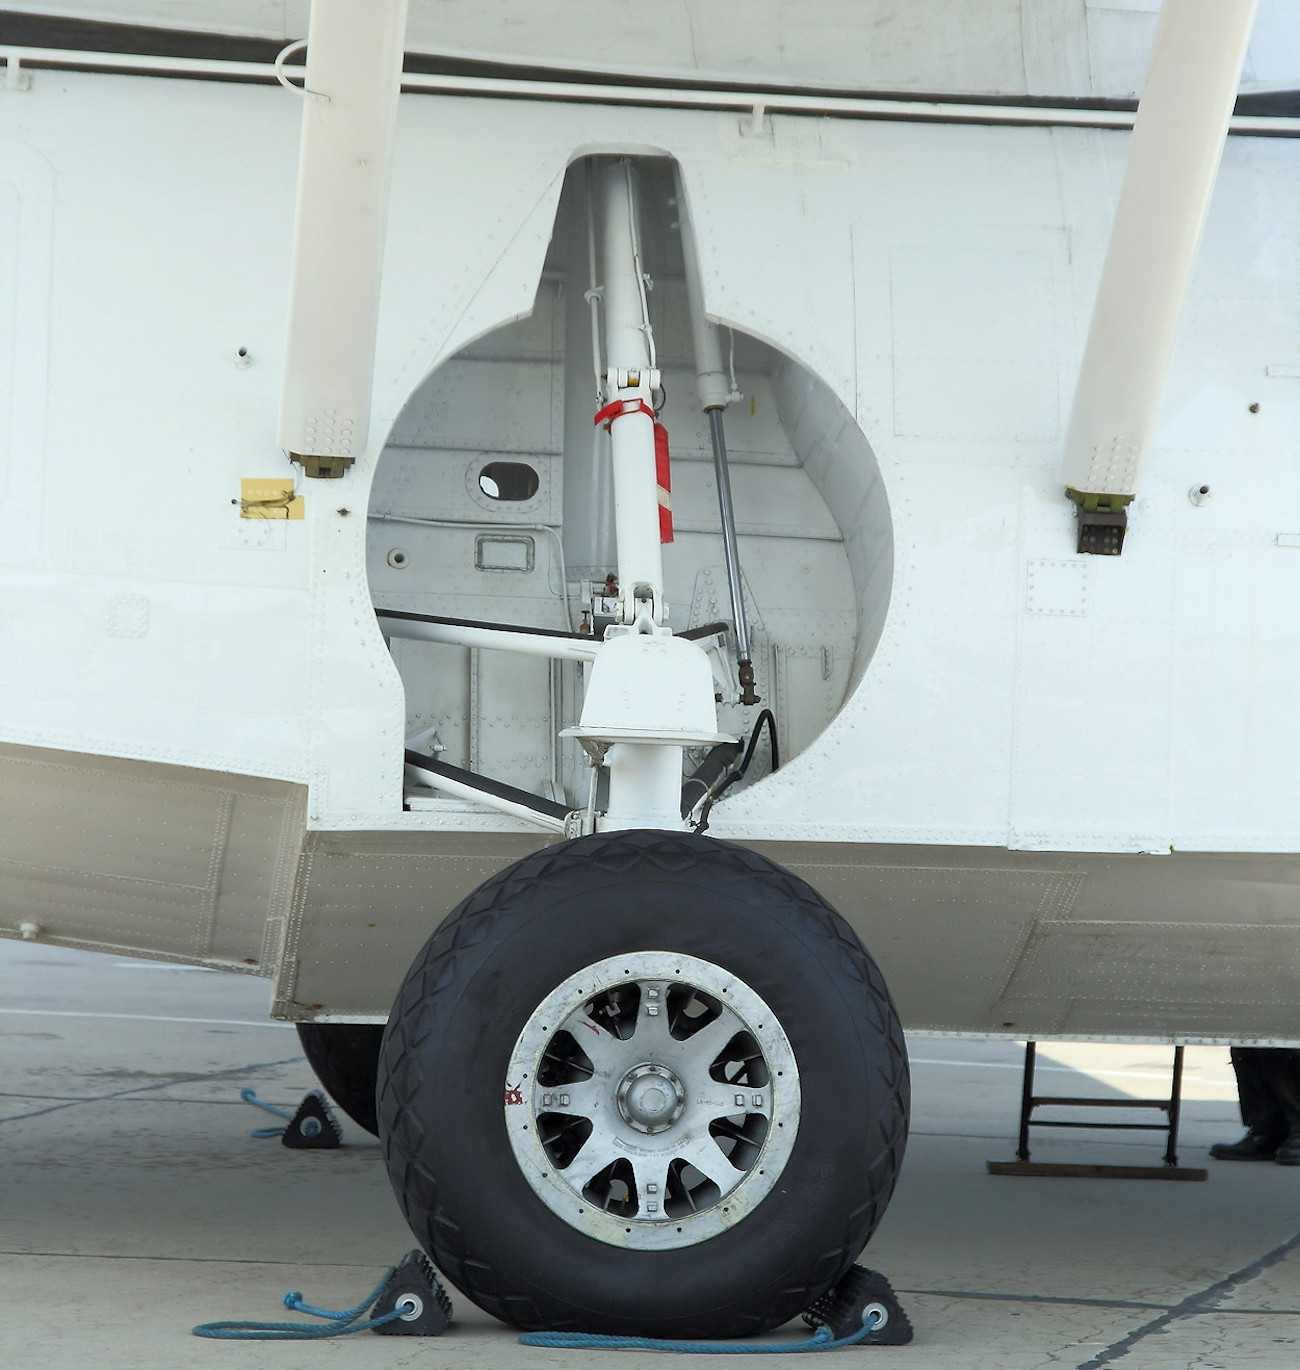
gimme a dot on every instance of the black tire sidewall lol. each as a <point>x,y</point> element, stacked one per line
<point>345,1059</point>
<point>494,1236</point>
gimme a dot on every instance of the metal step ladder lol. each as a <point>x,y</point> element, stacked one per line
<point>1029,1101</point>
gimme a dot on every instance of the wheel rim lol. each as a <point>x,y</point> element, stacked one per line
<point>652,1100</point>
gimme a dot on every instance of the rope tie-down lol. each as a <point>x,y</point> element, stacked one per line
<point>861,1310</point>
<point>408,1302</point>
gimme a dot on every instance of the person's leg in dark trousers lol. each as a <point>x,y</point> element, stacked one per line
<point>1268,1089</point>
<point>1283,1084</point>
<point>1258,1070</point>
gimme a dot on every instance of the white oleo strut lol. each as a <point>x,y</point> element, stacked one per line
<point>354,75</point>
<point>1182,121</point>
<point>629,386</point>
<point>649,694</point>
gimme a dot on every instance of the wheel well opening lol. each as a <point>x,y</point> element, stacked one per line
<point>492,503</point>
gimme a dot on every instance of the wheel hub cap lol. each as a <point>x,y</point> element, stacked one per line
<point>651,1098</point>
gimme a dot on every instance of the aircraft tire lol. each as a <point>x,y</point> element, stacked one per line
<point>345,1057</point>
<point>613,924</point>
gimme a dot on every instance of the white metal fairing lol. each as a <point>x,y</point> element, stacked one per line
<point>650,687</point>
<point>195,866</point>
<point>937,279</point>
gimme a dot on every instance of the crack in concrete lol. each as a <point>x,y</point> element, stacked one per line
<point>1035,1298</point>
<point>180,1079</point>
<point>1200,1302</point>
<point>305,1263</point>
<point>1098,1303</point>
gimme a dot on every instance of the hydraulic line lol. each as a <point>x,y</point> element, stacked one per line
<point>593,295</point>
<point>731,551</point>
<point>729,777</point>
<point>715,394</point>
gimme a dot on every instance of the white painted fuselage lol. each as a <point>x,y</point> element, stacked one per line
<point>1055,793</point>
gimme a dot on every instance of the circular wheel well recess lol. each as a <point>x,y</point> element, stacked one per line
<point>495,486</point>
<point>646,1084</point>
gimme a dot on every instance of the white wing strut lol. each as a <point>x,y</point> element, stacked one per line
<point>1182,121</point>
<point>354,72</point>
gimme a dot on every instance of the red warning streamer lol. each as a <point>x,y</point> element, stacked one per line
<point>663,476</point>
<point>618,408</point>
<point>663,479</point>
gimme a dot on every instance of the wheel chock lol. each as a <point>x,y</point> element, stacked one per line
<point>862,1296</point>
<point>413,1292</point>
<point>313,1127</point>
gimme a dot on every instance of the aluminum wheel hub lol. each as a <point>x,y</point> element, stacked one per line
<point>652,1100</point>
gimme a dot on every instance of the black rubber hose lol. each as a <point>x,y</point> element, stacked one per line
<point>706,775</point>
<point>766,718</point>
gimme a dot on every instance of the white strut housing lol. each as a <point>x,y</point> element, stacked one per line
<point>354,73</point>
<point>1173,161</point>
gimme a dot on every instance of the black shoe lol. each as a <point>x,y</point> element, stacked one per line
<point>1289,1152</point>
<point>1256,1146</point>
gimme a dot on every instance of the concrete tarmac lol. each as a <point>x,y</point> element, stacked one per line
<point>134,1203</point>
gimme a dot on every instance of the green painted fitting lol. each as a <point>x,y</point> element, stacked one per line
<point>1107,504</point>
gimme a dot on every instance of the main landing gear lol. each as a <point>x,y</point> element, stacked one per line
<point>644,1083</point>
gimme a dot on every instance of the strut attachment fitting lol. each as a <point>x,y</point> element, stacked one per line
<point>323,466</point>
<point>1103,521</point>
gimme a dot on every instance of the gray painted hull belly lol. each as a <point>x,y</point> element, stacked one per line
<point>217,869</point>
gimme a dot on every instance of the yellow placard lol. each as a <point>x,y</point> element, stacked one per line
<point>269,498</point>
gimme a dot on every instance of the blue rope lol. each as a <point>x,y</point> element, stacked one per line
<point>821,1340</point>
<point>249,1097</point>
<point>337,1325</point>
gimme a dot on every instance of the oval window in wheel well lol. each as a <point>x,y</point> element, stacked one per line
<point>508,480</point>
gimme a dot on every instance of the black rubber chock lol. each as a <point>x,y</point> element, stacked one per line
<point>413,1288</point>
<point>313,1127</point>
<point>862,1294</point>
